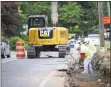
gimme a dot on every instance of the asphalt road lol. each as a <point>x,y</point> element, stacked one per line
<point>39,72</point>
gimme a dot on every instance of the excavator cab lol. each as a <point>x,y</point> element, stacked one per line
<point>35,21</point>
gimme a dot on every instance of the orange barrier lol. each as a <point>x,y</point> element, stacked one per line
<point>82,55</point>
<point>20,51</point>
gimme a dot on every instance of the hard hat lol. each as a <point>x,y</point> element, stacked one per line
<point>86,41</point>
<point>80,42</point>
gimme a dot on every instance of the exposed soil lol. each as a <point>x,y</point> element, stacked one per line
<point>89,80</point>
<point>106,54</point>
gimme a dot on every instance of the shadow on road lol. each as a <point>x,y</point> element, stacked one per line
<point>44,58</point>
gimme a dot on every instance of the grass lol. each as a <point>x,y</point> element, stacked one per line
<point>13,50</point>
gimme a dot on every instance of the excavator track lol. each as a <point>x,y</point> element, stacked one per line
<point>37,51</point>
<point>62,51</point>
<point>31,52</point>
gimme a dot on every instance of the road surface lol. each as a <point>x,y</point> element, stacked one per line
<point>39,72</point>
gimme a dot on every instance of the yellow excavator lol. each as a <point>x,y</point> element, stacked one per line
<point>43,38</point>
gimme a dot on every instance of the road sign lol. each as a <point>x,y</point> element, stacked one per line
<point>107,19</point>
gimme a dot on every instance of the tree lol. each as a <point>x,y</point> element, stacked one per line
<point>66,9</point>
<point>90,16</point>
<point>36,8</point>
<point>69,14</point>
<point>9,19</point>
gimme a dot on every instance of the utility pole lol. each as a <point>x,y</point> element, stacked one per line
<point>101,24</point>
<point>108,6</point>
<point>54,11</point>
<point>109,12</point>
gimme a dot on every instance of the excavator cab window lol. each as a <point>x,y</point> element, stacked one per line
<point>34,22</point>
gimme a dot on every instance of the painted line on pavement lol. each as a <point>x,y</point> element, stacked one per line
<point>43,83</point>
<point>5,61</point>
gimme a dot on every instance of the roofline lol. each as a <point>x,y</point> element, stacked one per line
<point>37,16</point>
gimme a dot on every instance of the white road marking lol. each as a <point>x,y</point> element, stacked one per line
<point>5,61</point>
<point>43,83</point>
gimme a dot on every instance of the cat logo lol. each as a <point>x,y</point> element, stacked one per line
<point>44,33</point>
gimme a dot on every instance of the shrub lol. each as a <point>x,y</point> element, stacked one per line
<point>13,41</point>
<point>25,37</point>
<point>26,45</point>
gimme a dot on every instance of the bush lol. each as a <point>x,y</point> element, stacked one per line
<point>13,41</point>
<point>26,45</point>
<point>25,37</point>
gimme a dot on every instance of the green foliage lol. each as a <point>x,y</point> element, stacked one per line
<point>69,12</point>
<point>84,14</point>
<point>22,20</point>
<point>35,8</point>
<point>76,29</point>
<point>9,19</point>
<point>69,15</point>
<point>26,45</point>
<point>13,41</point>
<point>25,37</point>
<point>90,16</point>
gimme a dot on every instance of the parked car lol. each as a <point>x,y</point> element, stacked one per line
<point>72,43</point>
<point>95,38</point>
<point>5,49</point>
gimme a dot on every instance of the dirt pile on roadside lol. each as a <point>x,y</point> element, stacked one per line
<point>105,54</point>
<point>102,62</point>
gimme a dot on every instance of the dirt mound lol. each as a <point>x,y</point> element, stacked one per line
<point>105,54</point>
<point>101,64</point>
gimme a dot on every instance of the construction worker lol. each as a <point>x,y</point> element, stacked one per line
<point>87,58</point>
<point>92,47</point>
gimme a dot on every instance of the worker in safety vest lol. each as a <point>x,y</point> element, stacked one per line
<point>90,45</point>
<point>87,58</point>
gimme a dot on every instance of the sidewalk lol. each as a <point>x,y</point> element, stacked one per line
<point>57,80</point>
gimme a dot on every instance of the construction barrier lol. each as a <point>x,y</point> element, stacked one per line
<point>20,50</point>
<point>82,55</point>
